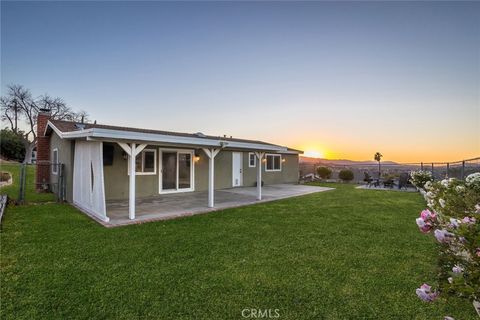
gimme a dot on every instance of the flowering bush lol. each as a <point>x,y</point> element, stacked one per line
<point>453,215</point>
<point>420,178</point>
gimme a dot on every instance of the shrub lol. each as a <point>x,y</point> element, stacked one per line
<point>324,172</point>
<point>11,145</point>
<point>453,218</point>
<point>346,175</point>
<point>420,178</point>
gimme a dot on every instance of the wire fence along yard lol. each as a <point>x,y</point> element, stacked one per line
<point>24,187</point>
<point>440,170</point>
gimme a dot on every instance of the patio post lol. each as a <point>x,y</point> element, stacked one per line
<point>131,183</point>
<point>259,156</point>
<point>211,153</point>
<point>133,150</point>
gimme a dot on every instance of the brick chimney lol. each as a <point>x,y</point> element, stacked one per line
<point>43,150</point>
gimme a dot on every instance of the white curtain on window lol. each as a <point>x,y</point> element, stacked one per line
<point>88,186</point>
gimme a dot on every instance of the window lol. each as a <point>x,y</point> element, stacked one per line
<point>108,151</point>
<point>55,161</point>
<point>273,162</point>
<point>145,162</point>
<point>252,160</point>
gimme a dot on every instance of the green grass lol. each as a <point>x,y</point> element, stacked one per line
<point>30,193</point>
<point>342,254</point>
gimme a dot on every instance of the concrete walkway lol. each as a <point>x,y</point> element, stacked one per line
<point>174,205</point>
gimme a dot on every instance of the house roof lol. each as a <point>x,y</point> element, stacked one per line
<point>72,130</point>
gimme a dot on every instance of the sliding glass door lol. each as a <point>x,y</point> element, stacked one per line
<point>169,170</point>
<point>176,170</point>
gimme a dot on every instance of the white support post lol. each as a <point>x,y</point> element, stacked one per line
<point>131,186</point>
<point>211,153</point>
<point>259,156</point>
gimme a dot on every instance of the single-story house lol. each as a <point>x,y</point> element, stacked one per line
<point>103,162</point>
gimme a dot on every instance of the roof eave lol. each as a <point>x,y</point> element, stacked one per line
<point>100,133</point>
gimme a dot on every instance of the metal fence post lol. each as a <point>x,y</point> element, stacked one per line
<point>433,172</point>
<point>21,191</point>
<point>463,169</point>
<point>448,169</point>
<point>421,166</point>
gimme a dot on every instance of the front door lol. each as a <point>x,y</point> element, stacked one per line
<point>237,167</point>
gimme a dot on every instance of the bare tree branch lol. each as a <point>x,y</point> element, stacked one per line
<point>19,105</point>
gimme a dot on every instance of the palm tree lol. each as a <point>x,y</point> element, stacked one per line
<point>378,157</point>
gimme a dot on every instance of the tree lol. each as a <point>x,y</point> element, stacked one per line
<point>378,157</point>
<point>11,145</point>
<point>324,172</point>
<point>346,175</point>
<point>18,107</point>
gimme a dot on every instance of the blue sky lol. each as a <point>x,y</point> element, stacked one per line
<point>345,79</point>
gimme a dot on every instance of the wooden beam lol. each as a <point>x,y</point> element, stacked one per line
<point>139,148</point>
<point>125,147</point>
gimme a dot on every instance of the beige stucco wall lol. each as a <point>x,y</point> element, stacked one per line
<point>65,156</point>
<point>116,178</point>
<point>289,173</point>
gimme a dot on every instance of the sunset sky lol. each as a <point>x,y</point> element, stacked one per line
<point>339,80</point>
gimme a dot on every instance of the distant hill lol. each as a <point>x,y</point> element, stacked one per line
<point>340,162</point>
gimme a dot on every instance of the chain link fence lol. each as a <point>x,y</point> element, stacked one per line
<point>26,189</point>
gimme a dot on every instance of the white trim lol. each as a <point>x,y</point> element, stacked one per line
<point>192,170</point>
<point>273,155</point>
<point>142,154</point>
<point>254,160</point>
<point>54,163</point>
<point>163,138</point>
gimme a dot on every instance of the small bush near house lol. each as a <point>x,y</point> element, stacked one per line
<point>346,175</point>
<point>324,172</point>
<point>419,178</point>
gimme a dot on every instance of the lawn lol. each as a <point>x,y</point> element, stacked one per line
<point>341,254</point>
<point>13,190</point>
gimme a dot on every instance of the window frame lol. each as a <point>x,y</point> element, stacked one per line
<point>266,161</point>
<point>254,160</point>
<point>142,154</point>
<point>54,163</point>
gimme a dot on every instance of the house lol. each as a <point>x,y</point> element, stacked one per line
<point>100,163</point>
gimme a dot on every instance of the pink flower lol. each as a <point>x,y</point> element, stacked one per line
<point>424,226</point>
<point>427,214</point>
<point>442,235</point>
<point>478,252</point>
<point>477,208</point>
<point>469,220</point>
<point>426,220</point>
<point>454,223</point>
<point>457,269</point>
<point>425,293</point>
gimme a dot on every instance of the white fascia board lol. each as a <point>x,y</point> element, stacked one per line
<point>255,146</point>
<point>153,137</point>
<point>68,135</point>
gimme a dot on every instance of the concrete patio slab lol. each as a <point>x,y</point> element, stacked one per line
<point>175,205</point>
